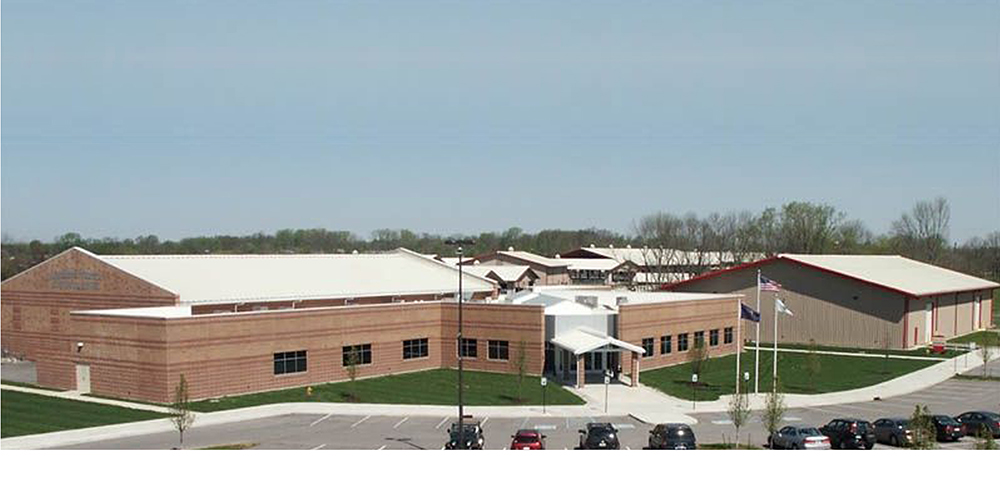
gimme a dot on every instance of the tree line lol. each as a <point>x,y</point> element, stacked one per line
<point>796,227</point>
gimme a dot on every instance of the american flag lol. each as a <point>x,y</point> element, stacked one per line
<point>767,285</point>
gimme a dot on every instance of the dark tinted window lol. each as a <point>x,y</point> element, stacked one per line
<point>357,354</point>
<point>526,438</point>
<point>809,431</point>
<point>289,362</point>
<point>647,346</point>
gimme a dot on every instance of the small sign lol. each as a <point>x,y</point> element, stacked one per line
<point>694,378</point>
<point>972,346</point>
<point>545,381</point>
<point>607,380</point>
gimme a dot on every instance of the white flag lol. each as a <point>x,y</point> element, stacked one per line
<point>782,308</point>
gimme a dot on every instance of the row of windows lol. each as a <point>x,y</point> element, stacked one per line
<point>666,341</point>
<point>495,349</point>
<point>295,361</point>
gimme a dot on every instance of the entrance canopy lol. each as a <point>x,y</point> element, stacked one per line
<point>583,340</point>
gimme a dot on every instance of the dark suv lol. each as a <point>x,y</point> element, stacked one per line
<point>473,437</point>
<point>599,436</point>
<point>672,437</point>
<point>849,433</point>
<point>975,423</point>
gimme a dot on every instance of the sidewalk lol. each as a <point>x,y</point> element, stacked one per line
<point>74,395</point>
<point>854,354</point>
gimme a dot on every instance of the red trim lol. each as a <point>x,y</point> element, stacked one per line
<point>670,286</point>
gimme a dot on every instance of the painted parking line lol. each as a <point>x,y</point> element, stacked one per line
<point>624,426</point>
<point>627,448</point>
<point>320,447</point>
<point>789,419</point>
<point>400,422</point>
<point>321,419</point>
<point>438,426</point>
<point>546,427</point>
<point>355,424</point>
<point>722,422</point>
<point>483,422</point>
<point>524,423</point>
<point>382,448</point>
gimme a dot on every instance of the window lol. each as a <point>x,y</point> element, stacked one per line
<point>699,339</point>
<point>682,342</point>
<point>357,354</point>
<point>467,348</point>
<point>647,346</point>
<point>665,344</point>
<point>727,335</point>
<point>713,337</point>
<point>498,349</point>
<point>289,362</point>
<point>416,348</point>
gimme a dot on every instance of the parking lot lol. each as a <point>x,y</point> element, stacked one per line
<point>372,432</point>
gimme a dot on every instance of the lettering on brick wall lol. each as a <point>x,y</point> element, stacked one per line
<point>72,279</point>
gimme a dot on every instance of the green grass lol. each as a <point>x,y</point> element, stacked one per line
<point>432,387</point>
<point>978,337</point>
<point>22,414</point>
<point>923,351</point>
<point>837,373</point>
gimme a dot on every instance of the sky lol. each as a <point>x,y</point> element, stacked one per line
<point>187,118</point>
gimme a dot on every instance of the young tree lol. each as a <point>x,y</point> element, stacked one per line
<point>774,411</point>
<point>986,440</point>
<point>182,417</point>
<point>698,357</point>
<point>522,368</point>
<point>353,359</point>
<point>922,428</point>
<point>739,413</point>
<point>986,352</point>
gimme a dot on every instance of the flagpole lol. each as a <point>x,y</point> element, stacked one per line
<point>739,341</point>
<point>756,370</point>
<point>774,373</point>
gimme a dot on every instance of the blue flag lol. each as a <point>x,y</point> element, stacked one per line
<point>747,313</point>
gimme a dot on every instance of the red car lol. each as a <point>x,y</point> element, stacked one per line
<point>527,439</point>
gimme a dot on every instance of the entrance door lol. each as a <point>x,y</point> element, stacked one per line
<point>928,321</point>
<point>83,378</point>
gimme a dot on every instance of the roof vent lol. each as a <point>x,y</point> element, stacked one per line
<point>355,252</point>
<point>610,245</point>
<point>592,245</point>
<point>628,246</point>
<point>510,249</point>
<point>587,300</point>
<point>558,257</point>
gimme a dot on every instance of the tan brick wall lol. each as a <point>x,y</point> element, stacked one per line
<point>484,322</point>
<point>639,321</point>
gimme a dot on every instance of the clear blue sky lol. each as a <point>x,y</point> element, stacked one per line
<point>182,118</point>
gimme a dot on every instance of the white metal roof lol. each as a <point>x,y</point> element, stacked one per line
<point>532,257</point>
<point>896,272</point>
<point>577,264</point>
<point>582,340</point>
<point>508,274</point>
<point>226,278</point>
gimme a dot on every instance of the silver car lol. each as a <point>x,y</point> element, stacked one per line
<point>798,438</point>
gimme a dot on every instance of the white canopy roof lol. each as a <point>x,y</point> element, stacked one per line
<point>582,340</point>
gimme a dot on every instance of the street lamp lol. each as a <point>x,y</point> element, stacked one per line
<point>461,408</point>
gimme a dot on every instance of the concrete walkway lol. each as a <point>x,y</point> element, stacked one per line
<point>74,395</point>
<point>644,403</point>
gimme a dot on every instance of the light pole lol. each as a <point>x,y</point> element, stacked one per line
<point>461,408</point>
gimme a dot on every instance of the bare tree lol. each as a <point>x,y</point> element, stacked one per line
<point>923,232</point>
<point>181,415</point>
<point>774,411</point>
<point>353,359</point>
<point>522,368</point>
<point>813,364</point>
<point>698,357</point>
<point>986,351</point>
<point>739,413</point>
<point>924,435</point>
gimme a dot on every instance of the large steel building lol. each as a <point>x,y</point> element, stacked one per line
<point>129,326</point>
<point>869,301</point>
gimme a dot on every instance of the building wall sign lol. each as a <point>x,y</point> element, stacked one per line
<point>72,279</point>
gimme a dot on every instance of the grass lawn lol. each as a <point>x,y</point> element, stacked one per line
<point>236,446</point>
<point>22,414</point>
<point>977,337</point>
<point>432,387</point>
<point>923,351</point>
<point>837,373</point>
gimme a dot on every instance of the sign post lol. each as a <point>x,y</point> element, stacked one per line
<point>545,382</point>
<point>694,389</point>
<point>607,381</point>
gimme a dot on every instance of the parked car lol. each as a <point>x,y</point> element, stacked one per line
<point>473,437</point>
<point>894,431</point>
<point>948,429</point>
<point>974,422</point>
<point>849,433</point>
<point>795,437</point>
<point>599,436</point>
<point>527,439</point>
<point>672,437</point>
